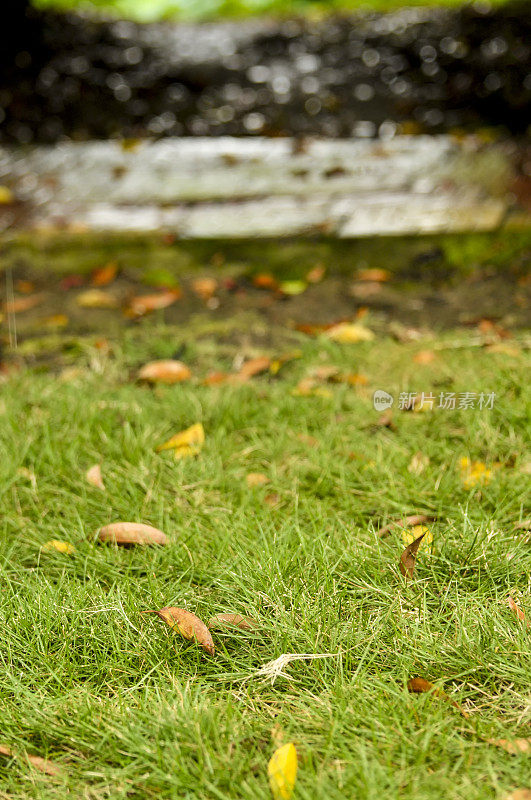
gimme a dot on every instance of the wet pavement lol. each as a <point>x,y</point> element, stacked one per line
<point>410,71</point>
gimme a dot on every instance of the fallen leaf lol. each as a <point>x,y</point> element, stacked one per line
<point>93,476</point>
<point>272,499</point>
<point>519,794</point>
<point>265,280</point>
<point>277,363</point>
<point>349,333</point>
<point>293,288</point>
<point>143,304</point>
<point>215,378</point>
<point>104,275</point>
<point>378,275</point>
<point>164,371</point>
<point>525,525</point>
<point>42,764</point>
<point>513,605</point>
<point>205,287</point>
<point>25,287</point>
<point>408,557</point>
<point>504,349</point>
<point>409,536</point>
<point>405,522</point>
<point>307,388</point>
<point>256,479</point>
<point>512,746</point>
<point>282,771</point>
<point>421,685</point>
<point>185,443</point>
<point>19,304</point>
<point>188,625</point>
<point>61,547</point>
<point>96,298</point>
<point>424,357</point>
<point>316,274</point>
<point>418,463</point>
<point>56,321</point>
<point>222,620</point>
<point>71,282</point>
<point>362,291</point>
<point>254,366</point>
<point>128,533</point>
<point>474,473</point>
<point>6,196</point>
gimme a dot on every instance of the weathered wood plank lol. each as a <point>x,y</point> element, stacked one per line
<point>231,187</point>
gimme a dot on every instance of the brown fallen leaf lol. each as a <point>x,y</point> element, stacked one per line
<point>512,746</point>
<point>408,557</point>
<point>96,298</point>
<point>25,287</point>
<point>188,625</point>
<point>519,794</point>
<point>265,280</point>
<point>254,366</point>
<point>405,522</point>
<point>41,764</point>
<point>19,304</point>
<point>316,274</point>
<point>94,477</point>
<point>256,479</point>
<point>377,275</point>
<point>215,378</point>
<point>424,357</point>
<point>104,275</point>
<point>129,533</point>
<point>272,500</point>
<point>164,371</point>
<point>513,605</point>
<point>143,304</point>
<point>205,288</point>
<point>421,685</point>
<point>237,620</point>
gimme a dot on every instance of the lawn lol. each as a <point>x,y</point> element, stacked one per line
<point>153,10</point>
<point>125,706</point>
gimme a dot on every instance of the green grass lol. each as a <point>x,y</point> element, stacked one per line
<point>152,10</point>
<point>130,710</point>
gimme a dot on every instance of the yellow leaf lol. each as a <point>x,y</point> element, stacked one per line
<point>282,771</point>
<point>476,473</point>
<point>61,547</point>
<point>349,333</point>
<point>185,443</point>
<point>409,536</point>
<point>96,298</point>
<point>6,195</point>
<point>256,479</point>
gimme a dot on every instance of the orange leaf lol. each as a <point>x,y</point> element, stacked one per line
<point>265,280</point>
<point>19,304</point>
<point>165,371</point>
<point>316,274</point>
<point>127,533</point>
<point>143,304</point>
<point>373,275</point>
<point>421,686</point>
<point>424,357</point>
<point>513,605</point>
<point>104,275</point>
<point>188,625</point>
<point>205,287</point>
<point>254,366</point>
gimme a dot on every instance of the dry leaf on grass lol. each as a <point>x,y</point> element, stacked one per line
<point>421,686</point>
<point>409,536</point>
<point>188,625</point>
<point>316,274</point>
<point>405,522</point>
<point>524,525</point>
<point>254,366</point>
<point>256,479</point>
<point>272,500</point>
<point>42,764</point>
<point>235,620</point>
<point>19,304</point>
<point>129,533</point>
<point>372,275</point>
<point>349,333</point>
<point>25,287</point>
<point>164,371</point>
<point>282,771</point>
<point>96,298</point>
<point>104,275</point>
<point>512,746</point>
<point>519,794</point>
<point>205,288</point>
<point>424,357</point>
<point>513,605</point>
<point>418,463</point>
<point>94,477</point>
<point>143,304</point>
<point>215,378</point>
<point>61,547</point>
<point>185,443</point>
<point>265,280</point>
<point>408,557</point>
